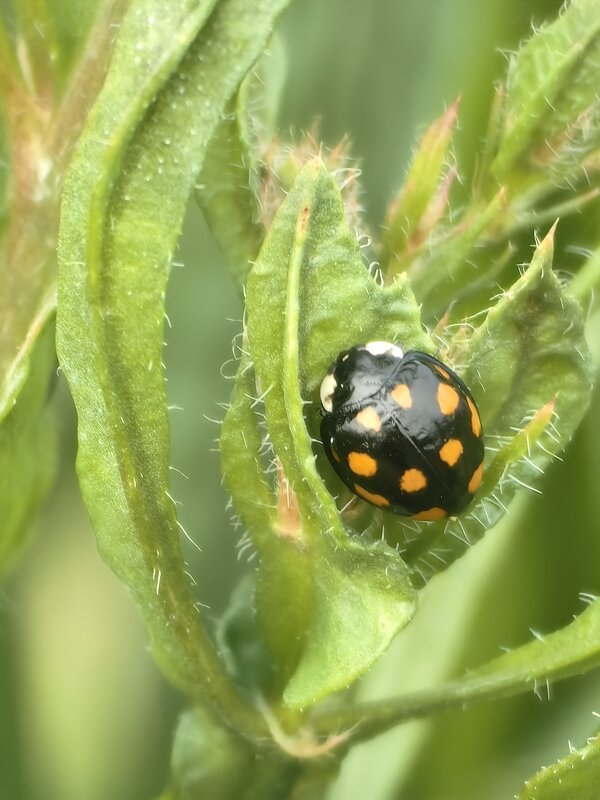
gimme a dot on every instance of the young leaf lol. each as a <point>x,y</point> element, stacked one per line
<point>227,196</point>
<point>422,200</point>
<point>529,367</point>
<point>436,276</point>
<point>552,109</point>
<point>241,443</point>
<point>229,182</point>
<point>175,67</point>
<point>574,776</point>
<point>362,597</point>
<point>307,271</point>
<point>281,564</point>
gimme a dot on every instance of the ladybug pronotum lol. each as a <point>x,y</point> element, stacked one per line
<point>402,431</point>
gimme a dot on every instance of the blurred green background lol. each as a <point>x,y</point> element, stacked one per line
<point>84,713</point>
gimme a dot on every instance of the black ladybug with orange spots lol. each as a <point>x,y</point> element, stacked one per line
<point>402,431</point>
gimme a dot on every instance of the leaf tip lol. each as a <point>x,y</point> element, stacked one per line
<point>550,235</point>
<point>452,112</point>
<point>544,414</point>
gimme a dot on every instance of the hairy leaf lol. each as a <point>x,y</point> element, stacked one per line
<point>552,109</point>
<point>174,69</point>
<point>529,367</point>
<point>422,200</point>
<point>574,776</point>
<point>229,184</point>
<point>308,267</point>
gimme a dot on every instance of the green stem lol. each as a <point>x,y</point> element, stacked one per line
<point>570,651</point>
<point>524,219</point>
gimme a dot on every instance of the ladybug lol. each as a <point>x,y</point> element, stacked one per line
<point>402,431</point>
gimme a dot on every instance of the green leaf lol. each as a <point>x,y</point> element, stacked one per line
<point>572,650</point>
<point>530,348</point>
<point>229,184</point>
<point>529,368</point>
<point>240,639</point>
<point>241,444</point>
<point>208,759</point>
<point>27,440</point>
<point>362,597</point>
<point>174,69</point>
<point>552,109</point>
<point>575,777</point>
<point>422,200</point>
<point>355,595</point>
<point>448,268</point>
<point>227,195</point>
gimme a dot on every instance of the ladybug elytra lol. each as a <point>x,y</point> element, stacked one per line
<point>402,431</point>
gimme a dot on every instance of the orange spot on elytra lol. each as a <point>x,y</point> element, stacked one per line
<point>475,418</point>
<point>451,451</point>
<point>430,514</point>
<point>447,398</point>
<point>413,480</point>
<point>442,372</point>
<point>362,464</point>
<point>401,395</point>
<point>476,479</point>
<point>376,499</point>
<point>369,419</point>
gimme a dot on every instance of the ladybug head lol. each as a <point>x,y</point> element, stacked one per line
<point>358,374</point>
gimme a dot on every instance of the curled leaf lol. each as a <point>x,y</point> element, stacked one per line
<point>229,183</point>
<point>330,605</point>
<point>174,69</point>
<point>529,367</point>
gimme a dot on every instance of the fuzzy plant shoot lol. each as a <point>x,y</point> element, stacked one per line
<point>404,390</point>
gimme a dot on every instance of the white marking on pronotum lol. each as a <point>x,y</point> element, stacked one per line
<point>379,348</point>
